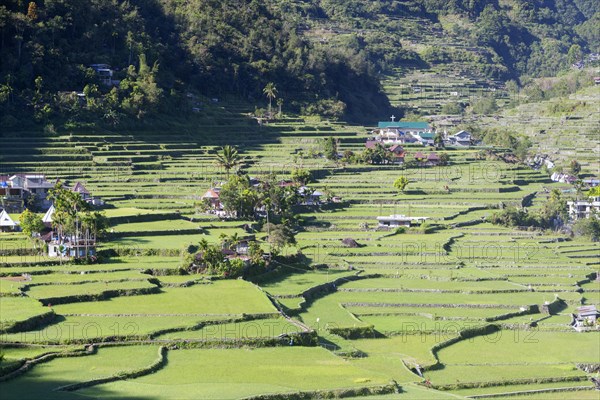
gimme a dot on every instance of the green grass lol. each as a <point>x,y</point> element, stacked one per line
<point>525,347</point>
<point>14,309</point>
<point>260,328</point>
<point>235,373</point>
<point>93,288</point>
<point>43,379</point>
<point>220,297</point>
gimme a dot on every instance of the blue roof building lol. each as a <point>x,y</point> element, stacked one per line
<point>402,125</point>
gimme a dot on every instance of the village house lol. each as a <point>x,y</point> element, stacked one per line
<point>586,317</point>
<point>12,198</point>
<point>83,192</point>
<point>18,189</point>
<point>396,150</point>
<point>86,195</point>
<point>431,159</point>
<point>309,197</point>
<point>461,138</point>
<point>591,182</point>
<point>212,198</point>
<point>424,138</point>
<point>584,208</point>
<point>105,74</point>
<point>286,183</point>
<point>537,161</point>
<point>71,247</point>
<point>398,153</point>
<point>398,132</point>
<point>6,222</point>
<point>396,221</point>
<point>563,178</point>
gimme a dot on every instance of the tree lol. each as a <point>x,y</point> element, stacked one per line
<point>71,213</point>
<point>554,209</point>
<point>452,108</point>
<point>575,167</point>
<point>279,106</point>
<point>594,192</point>
<point>401,183</point>
<point>301,176</point>
<point>589,227</point>
<point>485,105</point>
<point>238,197</point>
<point>438,140</point>
<point>575,54</point>
<point>93,224</point>
<point>228,158</point>
<point>444,158</point>
<point>32,11</point>
<point>67,205</point>
<point>31,223</point>
<point>271,92</point>
<point>330,148</point>
<point>378,155</point>
<point>279,236</point>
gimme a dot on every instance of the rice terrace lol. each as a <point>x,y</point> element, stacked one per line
<point>298,200</point>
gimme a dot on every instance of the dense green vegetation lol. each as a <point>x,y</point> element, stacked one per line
<point>322,57</point>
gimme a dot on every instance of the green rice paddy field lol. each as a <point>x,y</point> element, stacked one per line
<point>451,310</point>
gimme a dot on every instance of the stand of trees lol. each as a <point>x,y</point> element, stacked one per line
<point>160,51</point>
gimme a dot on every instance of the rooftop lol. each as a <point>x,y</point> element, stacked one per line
<point>400,217</point>
<point>403,125</point>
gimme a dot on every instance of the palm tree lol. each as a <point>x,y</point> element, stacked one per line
<point>228,158</point>
<point>271,92</point>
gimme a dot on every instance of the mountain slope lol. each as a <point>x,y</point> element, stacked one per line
<point>324,56</point>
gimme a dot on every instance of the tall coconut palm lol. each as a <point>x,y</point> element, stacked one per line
<point>271,92</point>
<point>228,158</point>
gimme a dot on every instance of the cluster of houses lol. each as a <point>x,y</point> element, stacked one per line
<point>32,189</point>
<point>19,189</point>
<point>393,134</point>
<point>399,154</point>
<point>401,132</point>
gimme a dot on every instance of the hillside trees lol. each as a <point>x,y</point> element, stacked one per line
<point>30,223</point>
<point>207,46</point>
<point>401,183</point>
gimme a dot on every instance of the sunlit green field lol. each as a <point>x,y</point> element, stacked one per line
<point>378,311</point>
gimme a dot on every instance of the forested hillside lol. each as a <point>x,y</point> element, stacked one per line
<point>167,54</point>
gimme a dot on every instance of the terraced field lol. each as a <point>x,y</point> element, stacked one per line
<point>455,308</point>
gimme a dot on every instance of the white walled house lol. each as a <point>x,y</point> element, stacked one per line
<point>584,208</point>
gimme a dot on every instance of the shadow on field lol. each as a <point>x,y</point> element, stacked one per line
<point>32,386</point>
